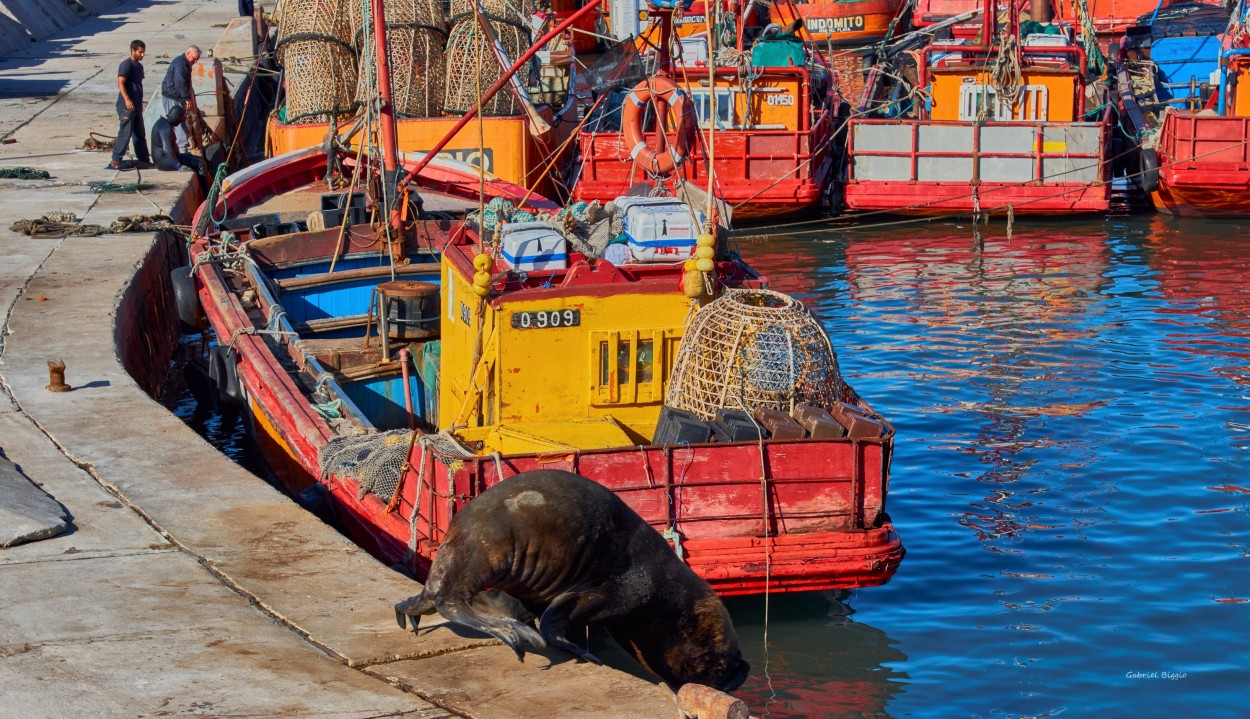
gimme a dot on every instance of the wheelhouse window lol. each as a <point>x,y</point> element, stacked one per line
<point>726,117</point>
<point>976,101</point>
<point>630,366</point>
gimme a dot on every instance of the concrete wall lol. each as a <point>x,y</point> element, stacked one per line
<point>146,338</point>
<point>26,21</point>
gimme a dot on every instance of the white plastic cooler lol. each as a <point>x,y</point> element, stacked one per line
<point>659,229</point>
<point>529,246</point>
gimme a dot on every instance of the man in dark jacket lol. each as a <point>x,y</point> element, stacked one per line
<point>176,90</point>
<point>130,109</point>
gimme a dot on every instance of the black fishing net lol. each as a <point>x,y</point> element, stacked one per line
<point>620,67</point>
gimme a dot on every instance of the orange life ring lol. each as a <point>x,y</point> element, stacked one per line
<point>645,156</point>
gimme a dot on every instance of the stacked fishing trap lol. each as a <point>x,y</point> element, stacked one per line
<point>318,60</point>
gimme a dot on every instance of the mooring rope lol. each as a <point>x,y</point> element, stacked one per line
<point>24,173</point>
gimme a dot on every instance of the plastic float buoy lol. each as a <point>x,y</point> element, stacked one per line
<point>645,156</point>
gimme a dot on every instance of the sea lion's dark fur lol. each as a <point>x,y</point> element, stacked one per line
<point>570,551</point>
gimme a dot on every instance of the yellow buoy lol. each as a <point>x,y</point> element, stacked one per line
<point>692,284</point>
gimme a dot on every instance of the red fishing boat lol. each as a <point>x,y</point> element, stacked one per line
<point>845,32</point>
<point>1184,110</point>
<point>401,368</point>
<point>1002,127</point>
<point>761,131</point>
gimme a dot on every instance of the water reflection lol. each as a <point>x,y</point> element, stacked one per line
<point>818,661</point>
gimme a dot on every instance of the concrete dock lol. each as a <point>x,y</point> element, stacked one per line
<point>181,584</point>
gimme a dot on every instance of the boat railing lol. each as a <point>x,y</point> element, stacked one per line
<point>1189,141</point>
<point>684,487</point>
<point>1019,151</point>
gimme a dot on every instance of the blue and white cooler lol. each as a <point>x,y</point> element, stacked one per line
<point>530,246</point>
<point>659,229</point>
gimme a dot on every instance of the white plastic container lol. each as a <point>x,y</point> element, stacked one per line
<point>529,246</point>
<point>659,229</point>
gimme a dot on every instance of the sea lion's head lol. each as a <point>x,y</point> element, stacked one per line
<point>712,655</point>
<point>700,648</point>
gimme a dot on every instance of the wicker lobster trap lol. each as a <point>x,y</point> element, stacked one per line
<point>472,65</point>
<point>750,349</point>
<point>318,60</point>
<point>416,38</point>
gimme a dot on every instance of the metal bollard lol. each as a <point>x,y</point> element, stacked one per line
<point>56,376</point>
<point>696,701</point>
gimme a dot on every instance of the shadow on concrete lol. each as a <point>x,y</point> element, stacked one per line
<point>60,43</point>
<point>37,87</point>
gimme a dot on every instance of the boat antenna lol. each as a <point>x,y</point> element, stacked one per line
<point>711,17</point>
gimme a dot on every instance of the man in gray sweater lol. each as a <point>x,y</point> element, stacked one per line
<point>176,90</point>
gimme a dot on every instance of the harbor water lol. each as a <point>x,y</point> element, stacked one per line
<point>1071,474</point>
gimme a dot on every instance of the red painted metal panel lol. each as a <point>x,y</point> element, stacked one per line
<point>922,197</point>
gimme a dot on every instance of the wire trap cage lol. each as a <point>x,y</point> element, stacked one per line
<point>472,64</point>
<point>318,60</point>
<point>416,38</point>
<point>750,349</point>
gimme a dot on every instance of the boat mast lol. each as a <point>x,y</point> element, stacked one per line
<point>390,148</point>
<point>989,23</point>
<point>499,84</point>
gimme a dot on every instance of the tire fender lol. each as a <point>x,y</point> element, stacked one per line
<point>1149,179</point>
<point>186,299</point>
<point>223,371</point>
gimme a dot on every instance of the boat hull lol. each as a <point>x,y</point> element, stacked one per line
<point>940,198</point>
<point>1204,166</point>
<point>715,530</point>
<point>818,522</point>
<point>929,167</point>
<point>762,175</point>
<point>835,24</point>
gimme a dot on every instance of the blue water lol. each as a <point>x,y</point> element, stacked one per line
<point>1071,476</point>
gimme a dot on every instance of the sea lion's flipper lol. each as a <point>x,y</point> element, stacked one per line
<point>516,634</point>
<point>412,609</point>
<point>499,603</point>
<point>561,613</point>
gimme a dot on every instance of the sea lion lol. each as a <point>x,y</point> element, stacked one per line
<point>571,552</point>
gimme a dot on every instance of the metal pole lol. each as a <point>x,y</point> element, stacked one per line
<point>498,85</point>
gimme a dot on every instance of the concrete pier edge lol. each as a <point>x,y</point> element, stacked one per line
<point>185,582</point>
